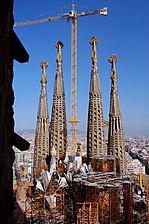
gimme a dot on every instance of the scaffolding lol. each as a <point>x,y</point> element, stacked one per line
<point>44,207</point>
<point>95,197</point>
<point>88,213</point>
<point>102,198</point>
<point>114,205</point>
<point>35,208</point>
<point>146,190</point>
<point>103,212</point>
<point>104,209</point>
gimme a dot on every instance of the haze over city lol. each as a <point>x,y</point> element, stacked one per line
<point>123,32</point>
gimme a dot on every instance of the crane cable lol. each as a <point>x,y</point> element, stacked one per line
<point>49,12</point>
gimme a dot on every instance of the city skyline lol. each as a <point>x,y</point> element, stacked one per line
<point>123,32</point>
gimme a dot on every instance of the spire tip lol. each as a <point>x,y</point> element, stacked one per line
<point>113,58</point>
<point>59,44</point>
<point>43,64</point>
<point>94,40</point>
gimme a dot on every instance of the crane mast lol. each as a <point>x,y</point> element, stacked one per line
<point>73,120</point>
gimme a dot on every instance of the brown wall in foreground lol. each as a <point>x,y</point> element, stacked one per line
<point>6,112</point>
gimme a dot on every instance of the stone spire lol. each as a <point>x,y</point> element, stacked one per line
<point>41,148</point>
<point>116,145</point>
<point>58,127</point>
<point>95,130</point>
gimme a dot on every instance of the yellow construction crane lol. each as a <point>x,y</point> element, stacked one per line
<point>73,16</point>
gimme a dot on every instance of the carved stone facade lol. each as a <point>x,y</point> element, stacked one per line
<point>41,148</point>
<point>58,127</point>
<point>95,130</point>
<point>116,145</point>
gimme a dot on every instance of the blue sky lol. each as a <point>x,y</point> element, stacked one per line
<point>124,32</point>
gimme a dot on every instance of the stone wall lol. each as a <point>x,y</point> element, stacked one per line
<point>6,112</point>
<point>10,48</point>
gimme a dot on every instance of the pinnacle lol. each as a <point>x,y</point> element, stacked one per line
<point>113,58</point>
<point>44,64</point>
<point>59,44</point>
<point>94,40</point>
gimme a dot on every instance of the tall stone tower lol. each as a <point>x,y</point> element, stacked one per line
<point>58,127</point>
<point>116,145</point>
<point>41,148</point>
<point>95,130</point>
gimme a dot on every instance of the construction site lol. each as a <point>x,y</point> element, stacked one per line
<point>82,196</point>
<point>67,186</point>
